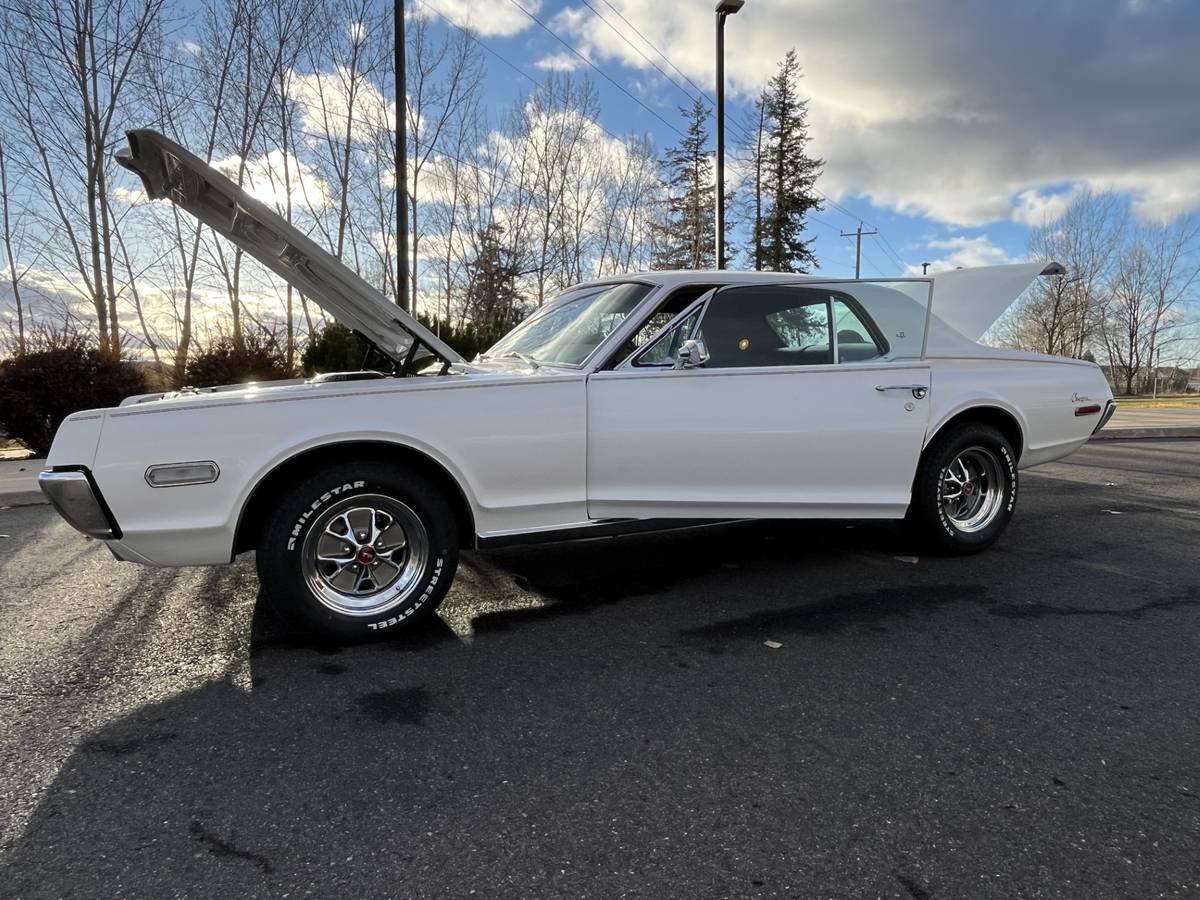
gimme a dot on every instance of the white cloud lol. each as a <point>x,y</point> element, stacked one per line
<point>965,117</point>
<point>495,19</point>
<point>325,97</point>
<point>559,62</point>
<point>265,181</point>
<point>964,252</point>
<point>1035,208</point>
<point>129,195</point>
<point>190,47</point>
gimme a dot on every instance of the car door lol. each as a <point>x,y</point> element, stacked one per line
<point>812,402</point>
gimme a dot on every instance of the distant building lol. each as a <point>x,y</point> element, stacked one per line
<point>1171,380</point>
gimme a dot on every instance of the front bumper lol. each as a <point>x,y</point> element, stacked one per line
<point>74,494</point>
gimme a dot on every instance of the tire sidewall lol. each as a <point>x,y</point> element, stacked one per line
<point>280,553</point>
<point>945,451</point>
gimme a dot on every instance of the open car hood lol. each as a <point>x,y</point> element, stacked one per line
<point>971,300</point>
<point>169,171</point>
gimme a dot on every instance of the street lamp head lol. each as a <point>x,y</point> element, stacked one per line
<point>729,7</point>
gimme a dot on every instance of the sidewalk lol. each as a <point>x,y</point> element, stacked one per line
<point>18,481</point>
<point>1127,424</point>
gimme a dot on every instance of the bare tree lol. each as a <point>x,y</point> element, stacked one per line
<point>1063,314</point>
<point>14,276</point>
<point>443,78</point>
<point>66,98</point>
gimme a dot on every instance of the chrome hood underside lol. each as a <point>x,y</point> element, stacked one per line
<point>168,171</point>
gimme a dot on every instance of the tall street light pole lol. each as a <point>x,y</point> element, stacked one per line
<point>401,160</point>
<point>725,8</point>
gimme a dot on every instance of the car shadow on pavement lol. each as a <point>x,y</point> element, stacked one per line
<point>581,719</point>
<point>324,766</point>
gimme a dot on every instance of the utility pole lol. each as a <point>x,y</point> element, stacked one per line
<point>401,160</point>
<point>725,8</point>
<point>857,234</point>
<point>925,268</point>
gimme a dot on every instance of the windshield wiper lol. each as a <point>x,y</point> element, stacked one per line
<point>516,354</point>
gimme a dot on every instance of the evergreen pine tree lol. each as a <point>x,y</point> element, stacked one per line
<point>492,296</point>
<point>684,235</point>
<point>788,175</point>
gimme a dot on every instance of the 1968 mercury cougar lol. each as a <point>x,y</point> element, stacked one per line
<point>649,398</point>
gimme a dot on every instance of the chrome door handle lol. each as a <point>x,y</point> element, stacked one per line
<point>918,390</point>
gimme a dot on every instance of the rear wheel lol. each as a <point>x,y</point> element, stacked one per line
<point>965,491</point>
<point>359,550</point>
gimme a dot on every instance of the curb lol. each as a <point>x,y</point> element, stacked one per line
<point>1137,434</point>
<point>23,498</point>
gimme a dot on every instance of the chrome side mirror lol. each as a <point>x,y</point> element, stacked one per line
<point>691,355</point>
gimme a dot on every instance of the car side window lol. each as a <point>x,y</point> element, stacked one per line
<point>678,301</point>
<point>663,350</point>
<point>856,341</point>
<point>769,325</point>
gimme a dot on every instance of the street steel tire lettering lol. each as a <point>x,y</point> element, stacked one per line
<point>358,549</point>
<point>965,491</point>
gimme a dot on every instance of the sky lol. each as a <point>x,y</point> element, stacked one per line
<point>951,126</point>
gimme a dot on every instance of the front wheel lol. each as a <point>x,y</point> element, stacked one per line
<point>965,490</point>
<point>358,550</point>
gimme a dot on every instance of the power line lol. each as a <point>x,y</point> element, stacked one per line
<point>638,50</point>
<point>654,47</point>
<point>546,28</point>
<point>479,41</point>
<point>887,252</point>
<point>895,255</point>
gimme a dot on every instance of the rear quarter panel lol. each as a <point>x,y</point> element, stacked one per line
<point>1041,393</point>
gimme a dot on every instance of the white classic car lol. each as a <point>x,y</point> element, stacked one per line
<point>627,403</point>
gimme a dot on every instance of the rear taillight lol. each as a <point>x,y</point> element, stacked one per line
<point>1089,410</point>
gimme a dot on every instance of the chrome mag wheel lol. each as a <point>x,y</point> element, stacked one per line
<point>972,489</point>
<point>365,554</point>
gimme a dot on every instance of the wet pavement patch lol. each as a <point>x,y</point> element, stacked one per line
<point>218,846</point>
<point>127,745</point>
<point>402,706</point>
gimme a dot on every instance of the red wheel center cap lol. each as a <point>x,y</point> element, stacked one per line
<point>968,489</point>
<point>366,555</point>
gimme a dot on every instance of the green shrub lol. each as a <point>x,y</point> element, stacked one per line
<point>469,340</point>
<point>68,373</point>
<point>258,357</point>
<point>335,348</point>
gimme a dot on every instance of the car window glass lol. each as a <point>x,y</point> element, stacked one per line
<point>855,340</point>
<point>662,351</point>
<point>769,325</point>
<point>898,310</point>
<point>572,327</point>
<point>675,303</point>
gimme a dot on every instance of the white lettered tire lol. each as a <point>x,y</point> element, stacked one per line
<point>358,550</point>
<point>965,491</point>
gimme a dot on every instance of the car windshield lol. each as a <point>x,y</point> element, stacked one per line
<point>572,326</point>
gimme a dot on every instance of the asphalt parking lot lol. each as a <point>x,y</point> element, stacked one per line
<point>606,719</point>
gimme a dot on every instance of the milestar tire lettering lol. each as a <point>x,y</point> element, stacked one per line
<point>317,504</point>
<point>312,596</point>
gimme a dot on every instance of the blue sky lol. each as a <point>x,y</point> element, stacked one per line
<point>952,126</point>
